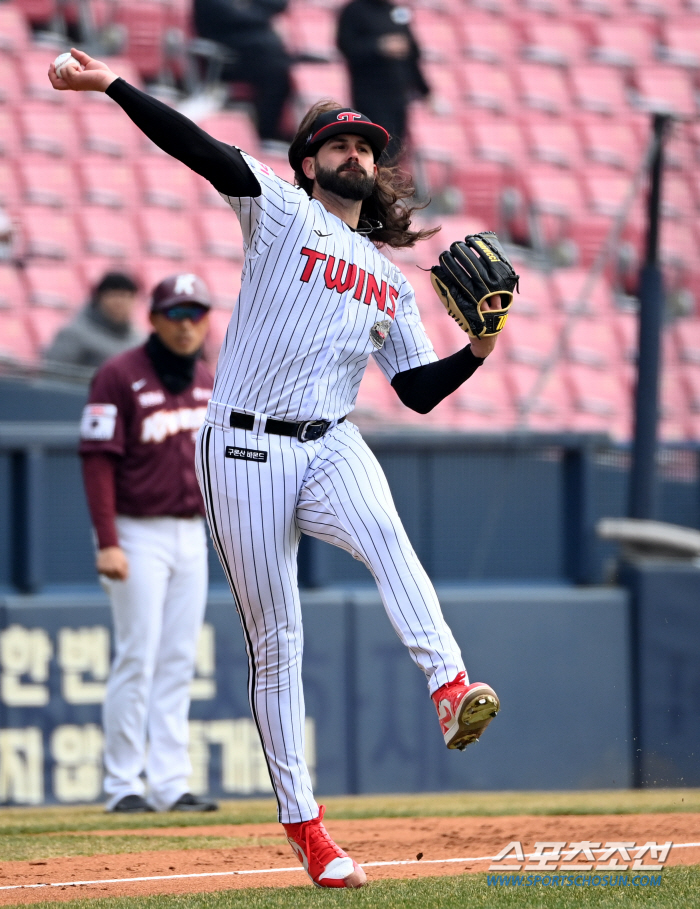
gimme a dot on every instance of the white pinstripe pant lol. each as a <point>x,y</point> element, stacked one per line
<point>333,489</point>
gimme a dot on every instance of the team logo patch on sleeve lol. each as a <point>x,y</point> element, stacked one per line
<point>246,454</point>
<point>379,332</point>
<point>98,422</point>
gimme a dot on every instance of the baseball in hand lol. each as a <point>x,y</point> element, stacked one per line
<point>62,61</point>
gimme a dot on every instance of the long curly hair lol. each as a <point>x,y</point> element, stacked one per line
<point>387,205</point>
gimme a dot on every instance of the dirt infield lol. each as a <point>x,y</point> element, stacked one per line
<point>425,844</point>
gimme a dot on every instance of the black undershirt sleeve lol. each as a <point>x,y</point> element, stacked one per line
<point>221,164</point>
<point>423,387</point>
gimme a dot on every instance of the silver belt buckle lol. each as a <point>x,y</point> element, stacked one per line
<point>312,430</point>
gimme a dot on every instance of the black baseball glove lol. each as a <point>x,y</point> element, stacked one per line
<point>468,274</point>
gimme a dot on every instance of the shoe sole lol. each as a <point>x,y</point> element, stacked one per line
<point>475,713</point>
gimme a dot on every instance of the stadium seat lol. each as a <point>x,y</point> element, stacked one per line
<point>626,326</point>
<point>16,345</point>
<point>535,296</point>
<point>611,143</point>
<point>165,183</point>
<point>108,131</point>
<point>665,88</point>
<point>168,234</point>
<point>234,128</point>
<point>445,91</point>
<point>36,12</point>
<point>487,38</point>
<point>14,33</point>
<point>681,42</point>
<point>690,378</point>
<point>555,42</point>
<point>49,234</point>
<point>10,195</point>
<point>568,286</point>
<point>313,82</point>
<point>436,138</point>
<point>12,293</point>
<point>686,333</point>
<point>677,200</point>
<point>622,43</point>
<point>592,342</point>
<point>554,143</point>
<point>487,86</point>
<point>220,234</point>
<point>602,394</point>
<point>542,87</point>
<point>48,129</point>
<point>533,341</point>
<point>107,182</point>
<point>32,68</point>
<point>674,408</point>
<point>599,89</point>
<point>223,280</point>
<point>312,32</point>
<point>10,84</point>
<point>44,324</point>
<point>145,22</point>
<point>498,139</point>
<point>542,400</point>
<point>485,402</point>
<point>207,196</point>
<point>10,140</point>
<point>54,286</point>
<point>46,181</point>
<point>436,36</point>
<point>109,234</point>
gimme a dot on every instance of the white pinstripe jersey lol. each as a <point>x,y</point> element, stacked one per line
<point>312,290</point>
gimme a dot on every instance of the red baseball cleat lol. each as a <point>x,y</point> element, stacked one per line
<point>465,711</point>
<point>325,863</point>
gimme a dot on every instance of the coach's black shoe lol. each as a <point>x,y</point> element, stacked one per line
<point>132,804</point>
<point>189,802</point>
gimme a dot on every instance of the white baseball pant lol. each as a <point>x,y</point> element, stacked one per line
<point>334,489</point>
<point>158,613</point>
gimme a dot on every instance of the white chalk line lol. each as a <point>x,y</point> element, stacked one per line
<point>174,877</point>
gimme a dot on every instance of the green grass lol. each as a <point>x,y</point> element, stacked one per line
<point>680,888</point>
<point>453,804</point>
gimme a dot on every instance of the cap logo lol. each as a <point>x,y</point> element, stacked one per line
<point>349,116</point>
<point>185,284</point>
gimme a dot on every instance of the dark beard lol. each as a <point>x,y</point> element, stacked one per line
<point>356,185</point>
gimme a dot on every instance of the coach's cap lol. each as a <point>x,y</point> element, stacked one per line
<point>334,122</point>
<point>176,289</point>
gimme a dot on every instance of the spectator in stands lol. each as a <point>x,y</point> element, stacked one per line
<point>375,38</point>
<point>243,26</point>
<point>101,329</point>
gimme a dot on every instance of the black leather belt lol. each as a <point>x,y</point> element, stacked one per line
<point>308,431</point>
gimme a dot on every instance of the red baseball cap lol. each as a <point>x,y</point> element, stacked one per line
<point>334,122</point>
<point>176,289</point>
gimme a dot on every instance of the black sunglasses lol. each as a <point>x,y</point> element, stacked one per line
<point>183,311</point>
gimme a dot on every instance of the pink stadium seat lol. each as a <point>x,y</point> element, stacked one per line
<point>554,143</point>
<point>606,189</point>
<point>592,342</point>
<point>436,138</point>
<point>223,280</point>
<point>487,86</point>
<point>690,378</point>
<point>499,140</point>
<point>12,294</point>
<point>599,89</point>
<point>37,12</point>
<point>16,344</point>
<point>535,297</point>
<point>568,285</point>
<point>543,404</point>
<point>674,410</point>
<point>10,84</point>
<point>488,38</point>
<point>54,286</point>
<point>599,392</point>
<point>145,22</point>
<point>623,43</point>
<point>552,190</point>
<point>435,35</point>
<point>49,234</point>
<point>109,234</point>
<point>32,70</point>
<point>485,402</point>
<point>677,200</point>
<point>612,143</point>
<point>682,42</point>
<point>207,196</point>
<point>108,131</point>
<point>626,326</point>
<point>47,181</point>
<point>10,196</point>
<point>444,88</point>
<point>165,183</point>
<point>107,182</point>
<point>312,31</point>
<point>44,324</point>
<point>687,337</point>
<point>532,341</point>
<point>234,128</point>
<point>542,87</point>
<point>220,234</point>
<point>14,34</point>
<point>665,88</point>
<point>10,140</point>
<point>314,82</point>
<point>48,129</point>
<point>168,234</point>
<point>554,41</point>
